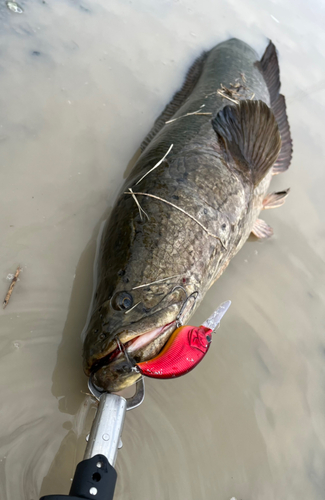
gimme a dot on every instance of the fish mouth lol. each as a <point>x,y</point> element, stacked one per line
<point>112,366</point>
<point>116,370</point>
<point>137,348</point>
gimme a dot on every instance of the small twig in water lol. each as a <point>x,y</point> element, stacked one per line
<point>181,210</point>
<point>157,281</point>
<point>11,287</point>
<point>157,165</point>
<point>138,204</point>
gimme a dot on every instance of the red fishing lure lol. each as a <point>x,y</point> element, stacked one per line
<point>185,349</point>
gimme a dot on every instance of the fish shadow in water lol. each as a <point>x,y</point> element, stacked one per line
<point>69,383</point>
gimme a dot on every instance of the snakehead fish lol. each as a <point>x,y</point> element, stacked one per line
<point>180,217</point>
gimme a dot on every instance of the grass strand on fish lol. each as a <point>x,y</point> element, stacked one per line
<point>225,96</point>
<point>141,211</point>
<point>157,165</point>
<point>129,310</point>
<point>184,212</point>
<point>156,281</point>
<point>197,112</point>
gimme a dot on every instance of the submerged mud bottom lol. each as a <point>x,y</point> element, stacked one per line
<point>113,372</point>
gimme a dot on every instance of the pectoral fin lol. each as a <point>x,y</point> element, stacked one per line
<point>275,200</point>
<point>249,132</point>
<point>261,229</point>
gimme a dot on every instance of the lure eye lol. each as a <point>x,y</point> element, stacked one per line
<point>122,301</point>
<point>208,337</point>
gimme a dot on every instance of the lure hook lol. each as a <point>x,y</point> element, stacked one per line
<point>194,295</point>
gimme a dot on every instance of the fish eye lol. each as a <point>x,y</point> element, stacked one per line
<point>122,301</point>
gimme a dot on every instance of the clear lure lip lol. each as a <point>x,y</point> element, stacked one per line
<point>213,322</point>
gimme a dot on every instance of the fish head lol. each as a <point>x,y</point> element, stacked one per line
<point>131,327</point>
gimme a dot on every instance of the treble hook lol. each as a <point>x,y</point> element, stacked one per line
<point>178,317</point>
<point>121,347</point>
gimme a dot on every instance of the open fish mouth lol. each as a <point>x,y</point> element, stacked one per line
<point>116,370</point>
<point>137,347</point>
<point>112,365</point>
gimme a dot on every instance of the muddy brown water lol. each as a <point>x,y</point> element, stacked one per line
<point>81,84</point>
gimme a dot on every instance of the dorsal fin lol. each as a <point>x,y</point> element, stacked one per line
<point>269,68</point>
<point>250,134</point>
<point>284,159</point>
<point>178,100</point>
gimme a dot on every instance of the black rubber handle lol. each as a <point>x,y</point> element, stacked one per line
<point>94,479</point>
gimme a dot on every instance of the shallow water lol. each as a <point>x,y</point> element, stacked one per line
<point>81,84</point>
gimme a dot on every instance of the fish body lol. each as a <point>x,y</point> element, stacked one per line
<point>184,350</point>
<point>177,223</point>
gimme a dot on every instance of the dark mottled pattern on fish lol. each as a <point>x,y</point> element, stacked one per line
<point>218,172</point>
